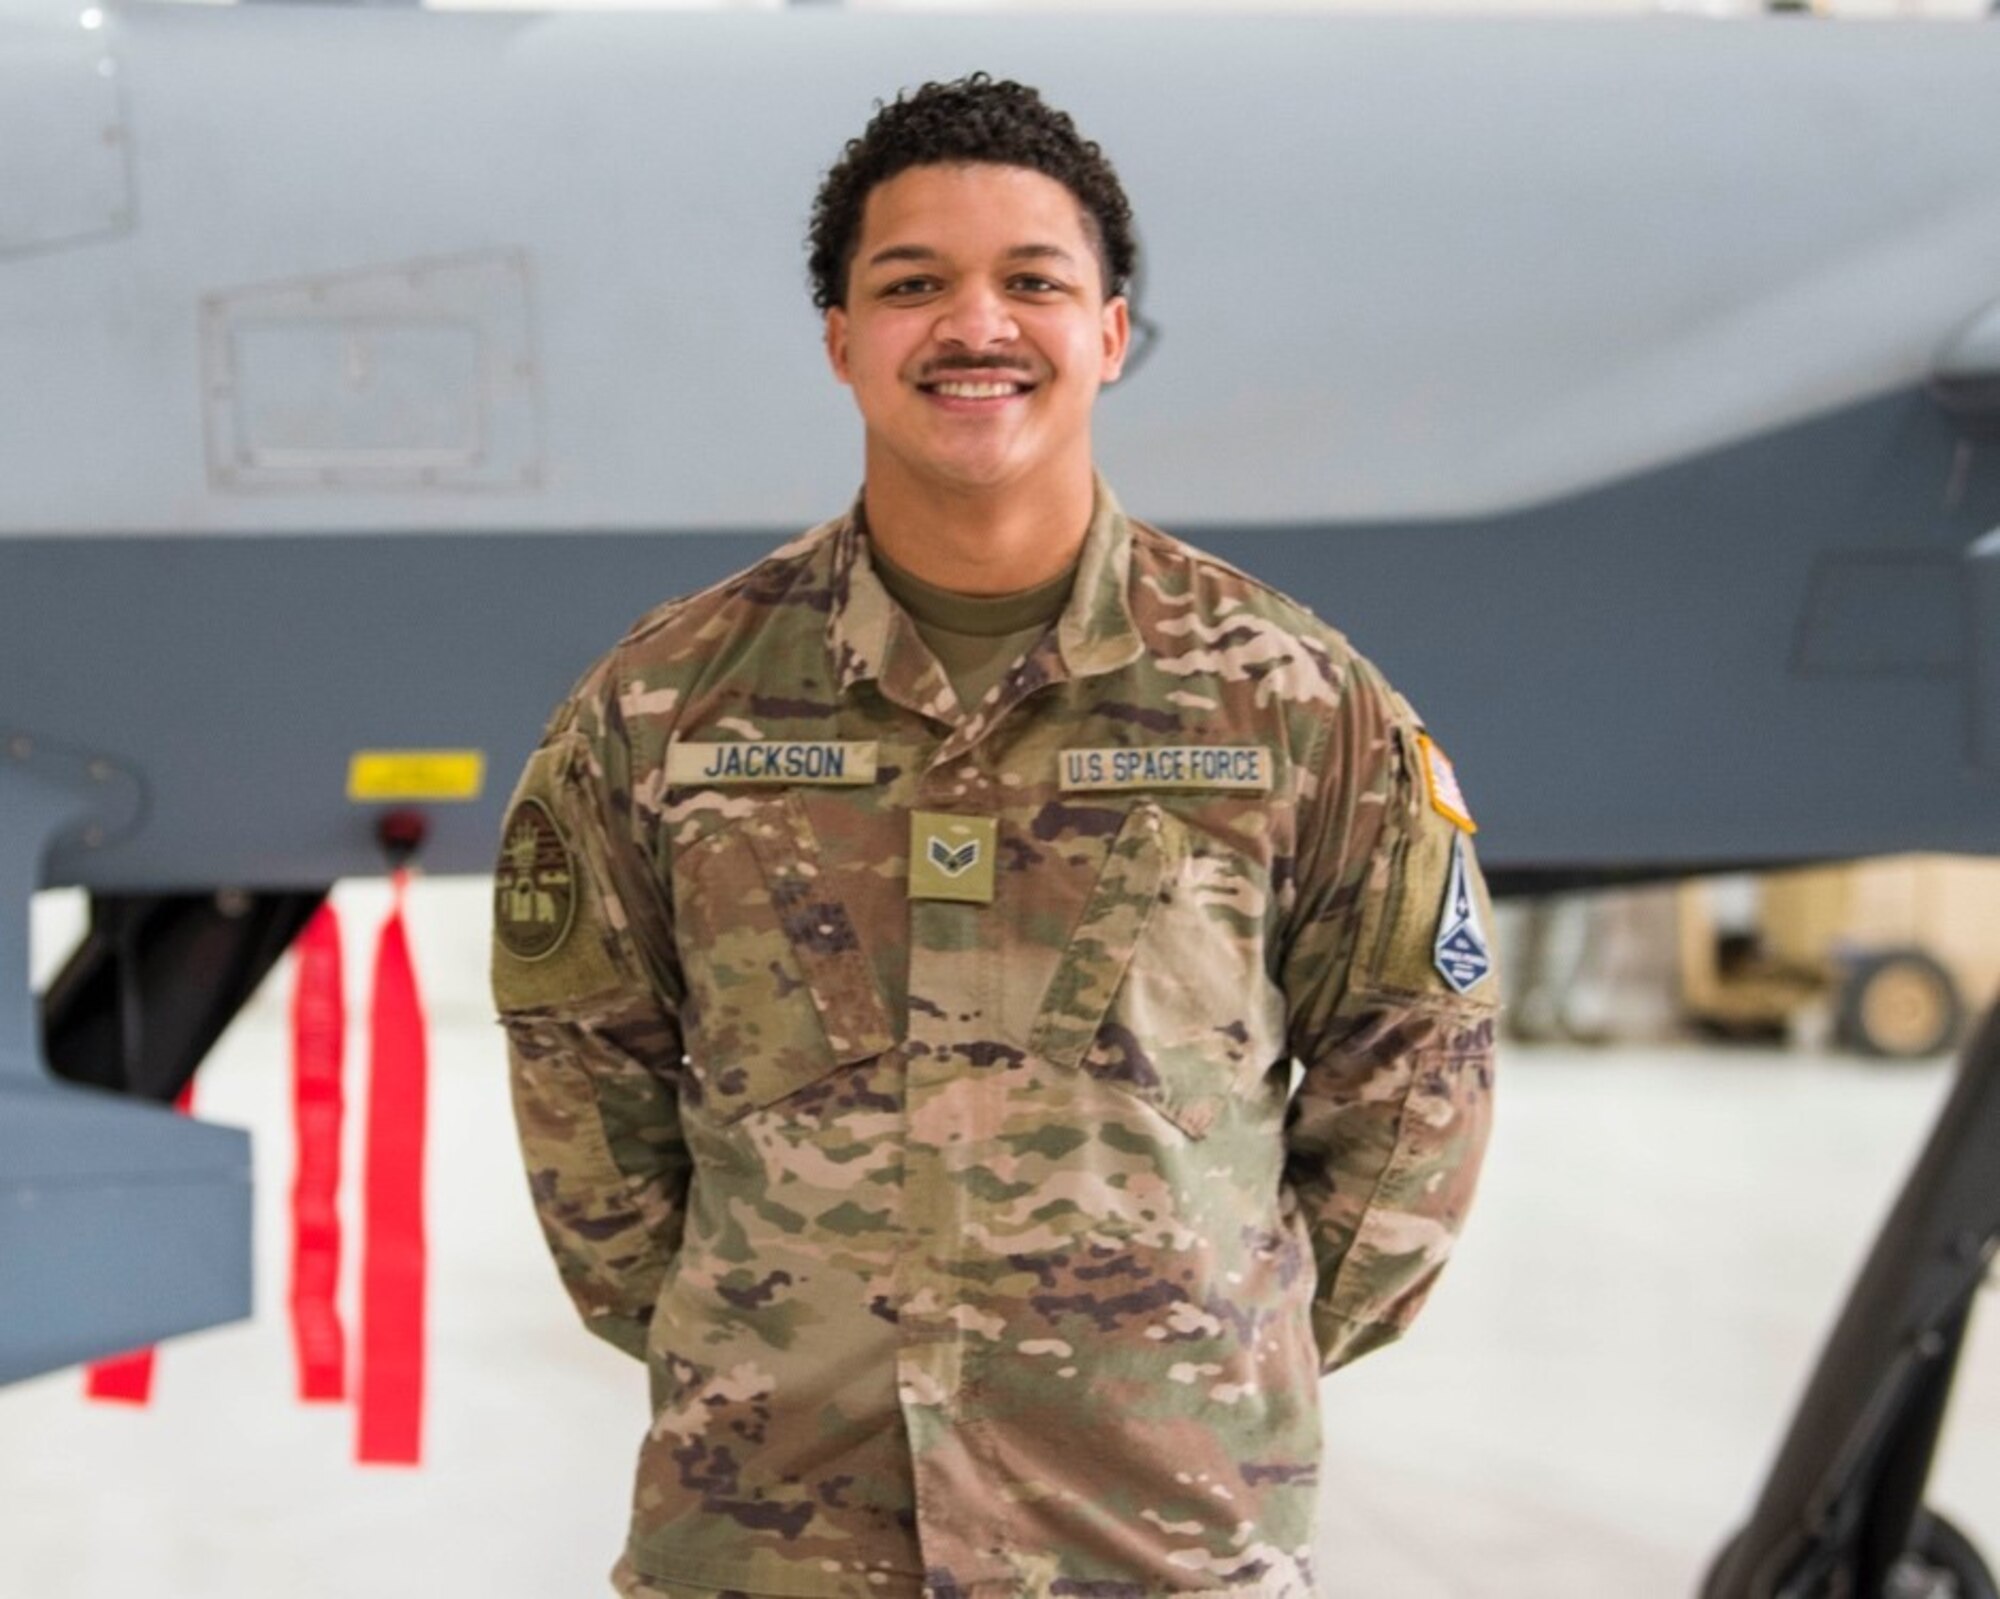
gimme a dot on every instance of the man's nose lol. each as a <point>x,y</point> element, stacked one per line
<point>976,317</point>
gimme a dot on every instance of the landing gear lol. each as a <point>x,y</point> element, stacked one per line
<point>156,980</point>
<point>1941,1563</point>
<point>1841,1515</point>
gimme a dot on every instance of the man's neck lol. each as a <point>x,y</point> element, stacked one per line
<point>997,542</point>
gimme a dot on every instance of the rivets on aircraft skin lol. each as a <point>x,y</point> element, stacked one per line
<point>20,747</point>
<point>100,771</point>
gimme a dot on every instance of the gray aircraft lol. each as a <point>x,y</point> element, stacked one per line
<point>1628,388</point>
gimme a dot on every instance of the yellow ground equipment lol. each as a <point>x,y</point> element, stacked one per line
<point>1895,953</point>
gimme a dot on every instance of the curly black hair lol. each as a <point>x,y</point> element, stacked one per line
<point>971,119</point>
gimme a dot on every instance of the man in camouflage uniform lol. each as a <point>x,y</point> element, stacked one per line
<point>904,947</point>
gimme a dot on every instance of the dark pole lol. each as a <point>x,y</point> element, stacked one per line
<point>1846,1491</point>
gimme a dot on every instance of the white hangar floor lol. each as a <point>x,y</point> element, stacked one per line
<point>1585,1410</point>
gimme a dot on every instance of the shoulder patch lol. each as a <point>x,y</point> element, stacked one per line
<point>1441,784</point>
<point>1426,918</point>
<point>534,884</point>
<point>1463,958</point>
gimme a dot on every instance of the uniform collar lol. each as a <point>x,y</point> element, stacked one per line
<point>871,637</point>
<point>1096,631</point>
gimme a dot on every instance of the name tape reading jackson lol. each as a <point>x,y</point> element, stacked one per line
<point>1246,767</point>
<point>773,761</point>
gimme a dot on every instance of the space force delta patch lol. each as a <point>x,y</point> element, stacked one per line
<point>830,761</point>
<point>1462,955</point>
<point>1244,767</point>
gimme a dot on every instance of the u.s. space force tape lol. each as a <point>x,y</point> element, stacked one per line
<point>1244,767</point>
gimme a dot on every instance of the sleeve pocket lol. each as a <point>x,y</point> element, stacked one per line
<point>1408,897</point>
<point>780,991</point>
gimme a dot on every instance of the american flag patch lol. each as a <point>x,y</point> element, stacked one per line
<point>1442,783</point>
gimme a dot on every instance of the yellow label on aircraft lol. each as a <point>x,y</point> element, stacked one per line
<point>397,776</point>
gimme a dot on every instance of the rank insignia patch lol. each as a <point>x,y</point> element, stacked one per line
<point>534,885</point>
<point>953,862</point>
<point>1462,955</point>
<point>1441,783</point>
<point>951,857</point>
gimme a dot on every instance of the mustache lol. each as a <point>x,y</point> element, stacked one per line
<point>947,366</point>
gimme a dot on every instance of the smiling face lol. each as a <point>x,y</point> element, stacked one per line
<point>976,333</point>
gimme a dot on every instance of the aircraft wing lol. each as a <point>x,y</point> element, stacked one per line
<point>1627,389</point>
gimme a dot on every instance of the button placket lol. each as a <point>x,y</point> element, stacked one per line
<point>953,949</point>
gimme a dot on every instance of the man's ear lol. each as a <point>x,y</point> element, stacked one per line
<point>836,344</point>
<point>1117,337</point>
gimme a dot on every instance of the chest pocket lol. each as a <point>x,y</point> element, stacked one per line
<point>779,990</point>
<point>1162,988</point>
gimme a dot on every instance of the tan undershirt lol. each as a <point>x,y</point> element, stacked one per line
<point>976,637</point>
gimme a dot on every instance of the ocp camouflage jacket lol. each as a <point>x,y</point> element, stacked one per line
<point>983,1248</point>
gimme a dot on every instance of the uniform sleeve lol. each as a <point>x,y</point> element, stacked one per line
<point>1391,998</point>
<point>589,995</point>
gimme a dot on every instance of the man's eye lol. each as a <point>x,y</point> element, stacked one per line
<point>905,287</point>
<point>1030,283</point>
